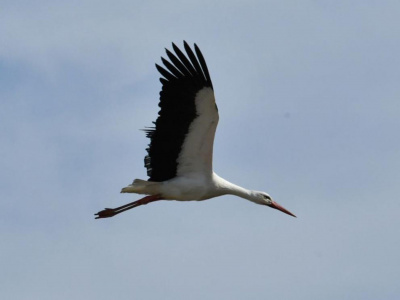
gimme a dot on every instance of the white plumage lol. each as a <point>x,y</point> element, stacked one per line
<point>179,160</point>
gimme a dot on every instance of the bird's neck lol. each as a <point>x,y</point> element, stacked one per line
<point>228,188</point>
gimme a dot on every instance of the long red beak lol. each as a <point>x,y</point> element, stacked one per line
<point>281,208</point>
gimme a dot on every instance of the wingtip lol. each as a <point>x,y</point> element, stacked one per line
<point>163,59</point>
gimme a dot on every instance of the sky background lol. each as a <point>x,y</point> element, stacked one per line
<point>309,101</point>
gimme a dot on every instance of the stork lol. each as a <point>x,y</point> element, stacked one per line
<point>179,159</point>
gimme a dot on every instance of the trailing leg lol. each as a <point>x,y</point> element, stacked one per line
<point>110,212</point>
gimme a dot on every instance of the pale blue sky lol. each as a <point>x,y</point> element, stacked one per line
<point>308,94</point>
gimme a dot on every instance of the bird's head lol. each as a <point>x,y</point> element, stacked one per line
<point>265,199</point>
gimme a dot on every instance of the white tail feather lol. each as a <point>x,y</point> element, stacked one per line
<point>144,187</point>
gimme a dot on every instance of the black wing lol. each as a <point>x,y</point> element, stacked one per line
<point>184,78</point>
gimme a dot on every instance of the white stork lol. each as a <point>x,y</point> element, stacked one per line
<point>179,160</point>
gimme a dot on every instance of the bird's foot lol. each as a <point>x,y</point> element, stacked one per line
<point>106,213</point>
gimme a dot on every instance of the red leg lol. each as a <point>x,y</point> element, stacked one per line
<point>110,212</point>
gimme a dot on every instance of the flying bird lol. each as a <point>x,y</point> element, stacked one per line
<point>179,159</point>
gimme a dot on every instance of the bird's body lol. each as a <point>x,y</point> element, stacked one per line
<point>196,187</point>
<point>180,154</point>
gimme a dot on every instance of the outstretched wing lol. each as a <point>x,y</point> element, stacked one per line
<point>182,140</point>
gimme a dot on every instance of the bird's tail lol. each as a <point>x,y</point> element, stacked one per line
<point>140,186</point>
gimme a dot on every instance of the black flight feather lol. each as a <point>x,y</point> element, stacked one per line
<point>185,77</point>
